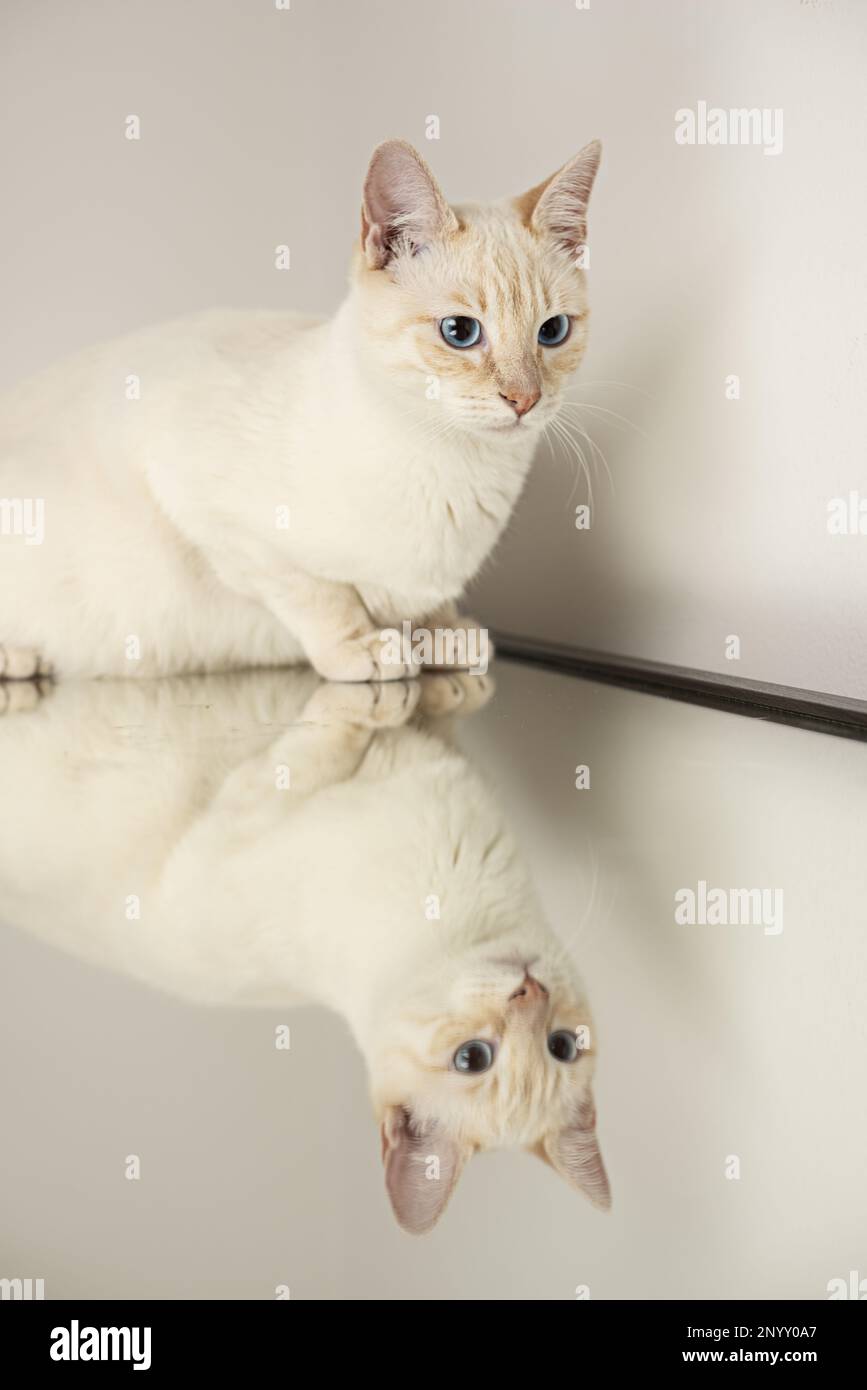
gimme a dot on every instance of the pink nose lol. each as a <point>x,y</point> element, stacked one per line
<point>521,402</point>
<point>529,991</point>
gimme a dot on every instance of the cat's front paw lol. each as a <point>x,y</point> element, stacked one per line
<point>22,697</point>
<point>22,664</point>
<point>443,693</point>
<point>364,658</point>
<point>369,706</point>
<point>456,643</point>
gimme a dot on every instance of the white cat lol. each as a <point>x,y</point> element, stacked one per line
<point>265,839</point>
<point>239,489</point>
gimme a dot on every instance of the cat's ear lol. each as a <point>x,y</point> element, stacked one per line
<point>402,204</point>
<point>422,1167</point>
<point>574,1153</point>
<point>557,208</point>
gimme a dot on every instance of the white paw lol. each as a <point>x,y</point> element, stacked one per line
<point>443,693</point>
<point>365,658</point>
<point>22,664</point>
<point>20,697</point>
<point>368,706</point>
<point>469,648</point>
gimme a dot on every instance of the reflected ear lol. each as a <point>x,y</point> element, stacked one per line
<point>557,208</point>
<point>574,1152</point>
<point>402,204</point>
<point>422,1167</point>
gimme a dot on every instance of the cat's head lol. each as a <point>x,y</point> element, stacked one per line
<point>499,1055</point>
<point>481,311</point>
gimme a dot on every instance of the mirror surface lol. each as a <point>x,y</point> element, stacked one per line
<point>251,925</point>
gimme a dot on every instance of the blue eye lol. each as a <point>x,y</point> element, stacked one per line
<point>474,1056</point>
<point>564,1046</point>
<point>460,332</point>
<point>555,330</point>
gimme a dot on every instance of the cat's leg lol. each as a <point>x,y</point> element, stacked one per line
<point>22,664</point>
<point>337,632</point>
<point>20,697</point>
<point>366,706</point>
<point>339,637</point>
<point>325,747</point>
<point>335,731</point>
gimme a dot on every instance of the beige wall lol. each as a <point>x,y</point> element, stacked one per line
<point>256,127</point>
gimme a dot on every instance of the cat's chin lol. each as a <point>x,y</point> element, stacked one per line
<point>505,429</point>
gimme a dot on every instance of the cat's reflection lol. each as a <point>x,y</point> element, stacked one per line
<point>266,838</point>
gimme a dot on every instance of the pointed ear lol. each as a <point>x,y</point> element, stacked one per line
<point>574,1152</point>
<point>557,208</point>
<point>422,1167</point>
<point>402,204</point>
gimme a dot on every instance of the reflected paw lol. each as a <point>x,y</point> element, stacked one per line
<point>21,697</point>
<point>442,693</point>
<point>369,706</point>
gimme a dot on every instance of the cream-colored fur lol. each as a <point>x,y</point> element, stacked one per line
<point>163,799</point>
<point>239,489</point>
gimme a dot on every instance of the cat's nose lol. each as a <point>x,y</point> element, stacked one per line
<point>520,401</point>
<point>529,991</point>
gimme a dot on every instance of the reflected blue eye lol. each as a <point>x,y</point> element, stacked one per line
<point>474,1056</point>
<point>563,1045</point>
<point>460,332</point>
<point>555,330</point>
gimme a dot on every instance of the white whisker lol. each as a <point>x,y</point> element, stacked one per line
<point>603,410</point>
<point>597,452</point>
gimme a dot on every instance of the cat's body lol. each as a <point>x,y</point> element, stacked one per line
<point>161,514</point>
<point>277,834</point>
<point>148,827</point>
<point>236,489</point>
